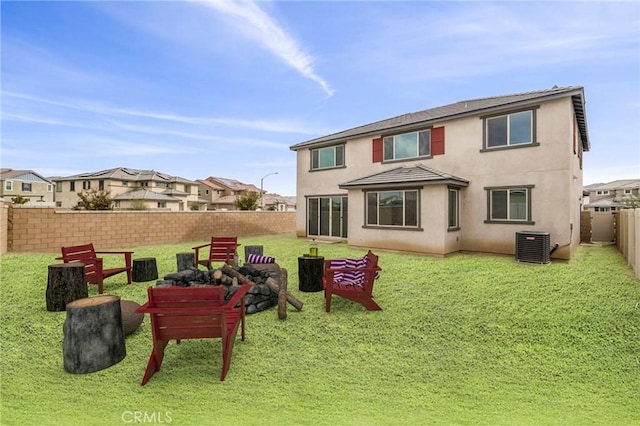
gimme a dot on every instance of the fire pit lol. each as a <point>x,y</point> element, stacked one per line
<point>260,297</point>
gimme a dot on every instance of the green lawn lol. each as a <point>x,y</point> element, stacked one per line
<point>467,340</point>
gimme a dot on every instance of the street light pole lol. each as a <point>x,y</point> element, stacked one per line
<point>261,181</point>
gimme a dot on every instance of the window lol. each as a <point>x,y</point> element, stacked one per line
<point>49,187</point>
<point>8,185</point>
<point>454,209</point>
<point>72,186</point>
<point>162,185</point>
<point>58,186</point>
<point>101,185</point>
<point>162,204</point>
<point>392,208</point>
<point>117,204</point>
<point>327,158</point>
<point>627,192</point>
<point>125,183</point>
<point>26,186</point>
<point>86,184</point>
<point>327,216</point>
<point>602,192</point>
<point>407,145</point>
<point>510,130</point>
<point>512,204</point>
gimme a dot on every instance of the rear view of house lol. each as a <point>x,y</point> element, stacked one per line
<point>461,177</point>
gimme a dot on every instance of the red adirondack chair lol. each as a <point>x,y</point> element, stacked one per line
<point>351,279</point>
<point>221,249</point>
<point>94,271</point>
<point>193,313</point>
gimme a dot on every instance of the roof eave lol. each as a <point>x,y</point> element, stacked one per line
<point>395,185</point>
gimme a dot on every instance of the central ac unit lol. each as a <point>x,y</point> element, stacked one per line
<point>533,247</point>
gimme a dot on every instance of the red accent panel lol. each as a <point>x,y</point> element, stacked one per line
<point>377,150</point>
<point>437,141</point>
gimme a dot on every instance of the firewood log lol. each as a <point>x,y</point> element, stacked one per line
<point>228,270</point>
<point>275,287</point>
<point>282,295</point>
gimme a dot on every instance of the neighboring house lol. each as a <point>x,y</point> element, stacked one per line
<point>222,193</point>
<point>131,189</point>
<point>279,203</point>
<point>609,197</point>
<point>28,184</point>
<point>461,177</point>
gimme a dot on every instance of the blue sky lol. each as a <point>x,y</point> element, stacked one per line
<point>198,89</point>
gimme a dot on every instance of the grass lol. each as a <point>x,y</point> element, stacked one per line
<point>467,340</point>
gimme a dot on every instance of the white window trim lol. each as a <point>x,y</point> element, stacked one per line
<point>8,185</point>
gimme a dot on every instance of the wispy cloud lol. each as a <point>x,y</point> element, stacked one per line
<point>106,111</point>
<point>261,27</point>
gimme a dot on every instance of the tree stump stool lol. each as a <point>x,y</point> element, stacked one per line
<point>144,269</point>
<point>310,272</point>
<point>93,334</point>
<point>185,260</point>
<point>253,250</point>
<point>66,283</point>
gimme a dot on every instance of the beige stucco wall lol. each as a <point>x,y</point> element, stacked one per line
<point>68,199</point>
<point>551,167</point>
<point>40,191</point>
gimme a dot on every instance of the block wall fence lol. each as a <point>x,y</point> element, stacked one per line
<point>45,230</point>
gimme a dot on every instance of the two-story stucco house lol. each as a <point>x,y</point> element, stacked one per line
<point>131,189</point>
<point>460,177</point>
<point>612,196</point>
<point>27,184</point>
<point>222,193</point>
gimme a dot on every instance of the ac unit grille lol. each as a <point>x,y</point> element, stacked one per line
<point>533,247</point>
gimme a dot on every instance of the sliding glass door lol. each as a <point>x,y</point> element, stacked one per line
<point>327,216</point>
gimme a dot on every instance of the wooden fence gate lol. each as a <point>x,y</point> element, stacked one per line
<point>603,227</point>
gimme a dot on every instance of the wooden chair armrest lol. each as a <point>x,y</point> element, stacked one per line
<point>114,252</point>
<point>185,310</point>
<point>199,247</point>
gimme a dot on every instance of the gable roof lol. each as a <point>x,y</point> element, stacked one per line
<point>615,185</point>
<point>22,175</point>
<point>426,117</point>
<point>232,184</point>
<point>126,174</point>
<point>406,176</point>
<point>145,194</point>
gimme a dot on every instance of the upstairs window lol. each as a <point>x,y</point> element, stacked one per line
<point>26,186</point>
<point>328,157</point>
<point>72,186</point>
<point>58,186</point>
<point>49,187</point>
<point>602,192</point>
<point>509,130</point>
<point>8,185</point>
<point>407,145</point>
<point>86,184</point>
